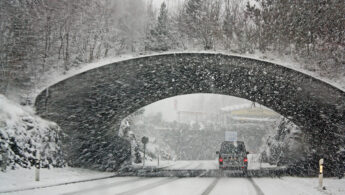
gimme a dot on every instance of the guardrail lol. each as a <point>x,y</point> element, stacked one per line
<point>159,172</point>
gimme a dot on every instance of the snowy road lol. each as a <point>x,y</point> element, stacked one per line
<point>69,181</point>
<point>202,164</point>
<point>253,163</point>
<point>192,186</point>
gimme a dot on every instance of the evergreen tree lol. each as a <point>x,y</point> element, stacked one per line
<point>159,38</point>
<point>200,21</point>
<point>162,29</point>
<point>149,28</point>
<point>302,28</point>
<point>228,27</point>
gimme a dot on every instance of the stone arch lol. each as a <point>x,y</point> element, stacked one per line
<point>95,101</point>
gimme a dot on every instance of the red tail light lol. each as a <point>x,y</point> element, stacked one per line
<point>245,159</point>
<point>220,159</point>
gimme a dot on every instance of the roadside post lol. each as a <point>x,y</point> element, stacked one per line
<point>38,166</point>
<point>158,153</point>
<point>321,173</point>
<point>3,159</point>
<point>144,140</point>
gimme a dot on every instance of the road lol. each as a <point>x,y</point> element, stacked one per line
<point>175,186</point>
<point>253,163</point>
<point>184,165</point>
<point>187,185</point>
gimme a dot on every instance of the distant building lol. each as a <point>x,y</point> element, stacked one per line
<point>198,117</point>
<point>247,113</point>
<point>231,115</point>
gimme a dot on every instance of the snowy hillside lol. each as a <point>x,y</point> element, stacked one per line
<point>23,134</point>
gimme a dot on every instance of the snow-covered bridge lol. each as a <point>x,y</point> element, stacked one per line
<point>90,106</point>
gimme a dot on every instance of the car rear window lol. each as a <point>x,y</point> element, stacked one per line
<point>232,147</point>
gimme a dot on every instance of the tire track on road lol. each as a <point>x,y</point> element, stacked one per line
<point>148,186</point>
<point>118,183</point>
<point>211,186</point>
<point>256,187</point>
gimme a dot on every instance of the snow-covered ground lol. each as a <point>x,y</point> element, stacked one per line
<point>296,185</point>
<point>24,178</point>
<point>23,135</point>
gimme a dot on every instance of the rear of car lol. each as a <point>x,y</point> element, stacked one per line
<point>233,156</point>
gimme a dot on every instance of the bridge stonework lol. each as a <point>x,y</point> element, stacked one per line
<point>90,106</point>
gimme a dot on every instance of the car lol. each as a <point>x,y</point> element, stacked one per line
<point>233,156</point>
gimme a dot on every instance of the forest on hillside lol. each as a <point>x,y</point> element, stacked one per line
<point>41,36</point>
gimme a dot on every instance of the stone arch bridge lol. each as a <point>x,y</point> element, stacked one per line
<point>90,106</point>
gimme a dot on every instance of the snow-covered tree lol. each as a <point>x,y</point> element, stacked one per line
<point>200,21</point>
<point>302,29</point>
<point>24,136</point>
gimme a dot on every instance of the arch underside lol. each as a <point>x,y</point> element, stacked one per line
<point>91,105</point>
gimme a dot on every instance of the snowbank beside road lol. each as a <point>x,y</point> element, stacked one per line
<point>303,185</point>
<point>25,178</point>
<point>23,134</point>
